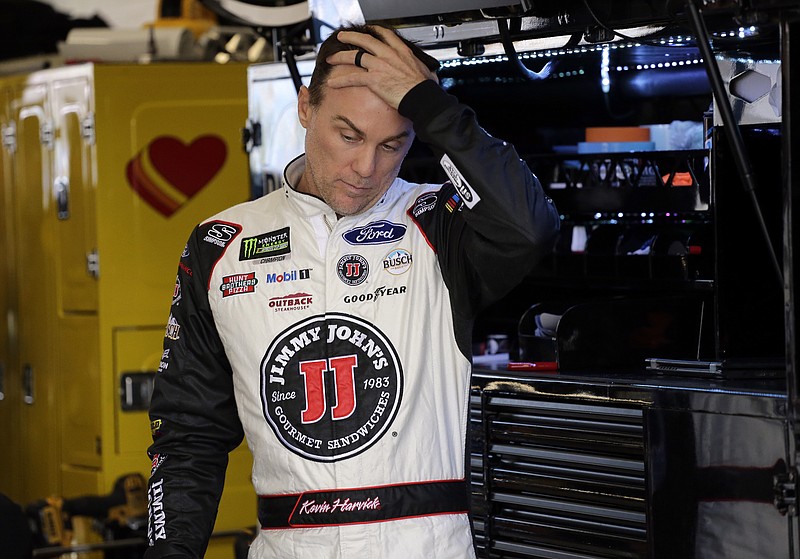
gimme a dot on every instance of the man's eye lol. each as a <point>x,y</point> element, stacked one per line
<point>390,148</point>
<point>349,139</point>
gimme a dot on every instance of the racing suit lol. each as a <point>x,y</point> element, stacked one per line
<point>341,348</point>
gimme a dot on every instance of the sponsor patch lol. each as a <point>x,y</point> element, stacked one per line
<point>220,233</point>
<point>331,386</point>
<point>155,427</point>
<point>468,195</point>
<point>238,284</point>
<point>424,203</point>
<point>176,292</point>
<point>158,459</point>
<point>164,364</point>
<point>157,521</point>
<point>293,302</point>
<point>352,269</point>
<point>185,252</point>
<point>375,233</point>
<point>397,262</point>
<point>453,203</point>
<point>267,245</point>
<point>293,275</point>
<point>382,291</point>
<point>186,269</point>
<point>173,331</point>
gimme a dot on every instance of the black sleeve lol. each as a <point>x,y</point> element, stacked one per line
<point>193,413</point>
<point>492,221</point>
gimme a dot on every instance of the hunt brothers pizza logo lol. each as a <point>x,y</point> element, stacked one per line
<point>238,283</point>
<point>331,386</point>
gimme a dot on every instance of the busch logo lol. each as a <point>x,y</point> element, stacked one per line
<point>375,233</point>
<point>331,386</point>
<point>397,262</point>
<point>173,331</point>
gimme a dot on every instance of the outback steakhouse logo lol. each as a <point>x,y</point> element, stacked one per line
<point>293,302</point>
<point>331,386</point>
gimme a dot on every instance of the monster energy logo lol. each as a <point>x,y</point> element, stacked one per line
<point>273,243</point>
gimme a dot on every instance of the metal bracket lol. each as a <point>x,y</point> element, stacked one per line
<point>785,489</point>
<point>10,137</point>
<point>87,129</point>
<point>47,135</point>
<point>93,264</point>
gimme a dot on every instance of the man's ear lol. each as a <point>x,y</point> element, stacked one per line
<point>303,106</point>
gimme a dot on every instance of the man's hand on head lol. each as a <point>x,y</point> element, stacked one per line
<point>390,69</point>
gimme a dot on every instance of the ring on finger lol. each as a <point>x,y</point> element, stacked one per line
<point>359,55</point>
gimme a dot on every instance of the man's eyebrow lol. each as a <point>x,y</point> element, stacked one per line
<point>360,132</point>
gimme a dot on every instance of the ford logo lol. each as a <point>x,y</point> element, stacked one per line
<point>375,233</point>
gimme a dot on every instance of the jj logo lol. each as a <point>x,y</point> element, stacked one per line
<point>343,369</point>
<point>331,385</point>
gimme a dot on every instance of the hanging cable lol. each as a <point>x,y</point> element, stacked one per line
<point>513,57</point>
<point>731,128</point>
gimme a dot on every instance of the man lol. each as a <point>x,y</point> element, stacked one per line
<point>331,321</point>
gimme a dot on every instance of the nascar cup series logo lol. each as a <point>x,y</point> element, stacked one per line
<point>331,386</point>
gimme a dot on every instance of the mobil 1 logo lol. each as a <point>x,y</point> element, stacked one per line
<point>331,386</point>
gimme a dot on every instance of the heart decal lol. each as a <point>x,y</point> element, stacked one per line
<point>167,173</point>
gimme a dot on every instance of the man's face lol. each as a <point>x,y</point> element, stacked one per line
<point>355,144</point>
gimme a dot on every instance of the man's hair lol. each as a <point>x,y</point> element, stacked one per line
<point>332,45</point>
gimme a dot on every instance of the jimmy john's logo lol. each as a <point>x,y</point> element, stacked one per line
<point>238,283</point>
<point>331,386</point>
<point>375,233</point>
<point>352,269</point>
<point>468,195</point>
<point>267,245</point>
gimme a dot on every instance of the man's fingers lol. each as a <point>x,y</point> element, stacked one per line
<point>360,58</point>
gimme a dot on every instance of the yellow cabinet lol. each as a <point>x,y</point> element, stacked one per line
<point>105,170</point>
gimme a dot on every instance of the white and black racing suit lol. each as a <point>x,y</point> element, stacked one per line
<point>341,348</point>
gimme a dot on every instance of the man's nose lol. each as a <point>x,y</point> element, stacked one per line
<point>365,161</point>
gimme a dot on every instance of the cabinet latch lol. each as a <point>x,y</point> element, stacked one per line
<point>93,264</point>
<point>251,135</point>
<point>10,137</point>
<point>87,129</point>
<point>786,492</point>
